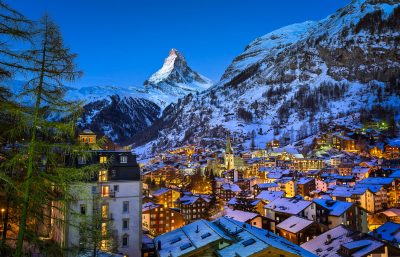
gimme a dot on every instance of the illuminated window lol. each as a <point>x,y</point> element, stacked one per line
<point>103,229</point>
<point>104,211</point>
<point>103,175</point>
<point>105,191</point>
<point>103,159</point>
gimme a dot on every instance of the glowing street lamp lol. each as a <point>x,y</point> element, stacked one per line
<point>2,213</point>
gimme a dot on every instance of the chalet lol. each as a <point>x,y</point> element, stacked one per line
<point>282,208</point>
<point>157,219</point>
<point>266,186</point>
<point>166,197</point>
<point>194,207</point>
<point>332,213</point>
<point>368,197</point>
<point>361,172</point>
<point>305,185</point>
<point>228,191</point>
<point>297,230</point>
<point>344,143</point>
<point>251,218</point>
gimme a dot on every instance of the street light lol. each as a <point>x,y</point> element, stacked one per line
<point>2,213</point>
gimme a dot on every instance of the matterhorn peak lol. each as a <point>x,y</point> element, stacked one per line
<point>176,79</point>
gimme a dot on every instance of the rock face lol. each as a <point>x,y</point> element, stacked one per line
<point>121,112</point>
<point>290,81</point>
<point>120,118</point>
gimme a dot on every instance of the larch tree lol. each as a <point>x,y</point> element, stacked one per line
<point>48,122</point>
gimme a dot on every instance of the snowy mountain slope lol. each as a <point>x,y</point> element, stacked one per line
<point>289,81</point>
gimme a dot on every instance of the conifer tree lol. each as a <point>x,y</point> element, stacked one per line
<point>47,64</point>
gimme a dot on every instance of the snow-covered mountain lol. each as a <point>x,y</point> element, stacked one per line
<point>121,112</point>
<point>291,80</point>
<point>174,80</point>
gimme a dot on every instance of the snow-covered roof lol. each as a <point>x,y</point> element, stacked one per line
<point>242,216</point>
<point>252,240</point>
<point>231,187</point>
<point>376,181</point>
<point>388,231</point>
<point>362,247</point>
<point>266,185</point>
<point>294,224</point>
<point>395,174</point>
<point>329,243</point>
<point>336,208</point>
<point>161,191</point>
<point>392,212</point>
<point>288,205</point>
<point>233,201</point>
<point>270,195</point>
<point>244,240</point>
<point>360,170</point>
<point>343,191</point>
<point>150,206</point>
<point>304,180</point>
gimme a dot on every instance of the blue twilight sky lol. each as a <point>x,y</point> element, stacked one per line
<point>122,42</point>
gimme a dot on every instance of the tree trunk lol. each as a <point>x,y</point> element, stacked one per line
<point>5,221</point>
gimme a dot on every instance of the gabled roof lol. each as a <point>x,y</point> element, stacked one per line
<point>161,191</point>
<point>231,187</point>
<point>294,224</point>
<point>242,216</point>
<point>376,181</point>
<point>336,208</point>
<point>329,243</point>
<point>288,205</point>
<point>150,206</point>
<point>388,231</point>
<point>304,180</point>
<point>270,195</point>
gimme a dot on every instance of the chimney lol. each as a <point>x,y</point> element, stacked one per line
<point>197,229</point>
<point>159,245</point>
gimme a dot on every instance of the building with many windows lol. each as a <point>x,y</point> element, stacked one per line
<point>112,196</point>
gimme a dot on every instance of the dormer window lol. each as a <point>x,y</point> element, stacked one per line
<point>123,159</point>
